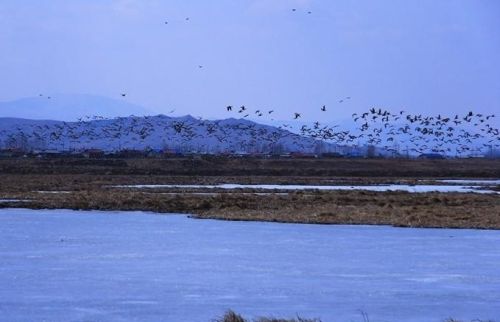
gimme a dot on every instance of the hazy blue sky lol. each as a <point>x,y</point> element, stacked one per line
<point>424,55</point>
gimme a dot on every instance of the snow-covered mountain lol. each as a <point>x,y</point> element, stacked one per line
<point>156,132</point>
<point>68,107</point>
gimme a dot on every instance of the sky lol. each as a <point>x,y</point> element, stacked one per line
<point>423,56</point>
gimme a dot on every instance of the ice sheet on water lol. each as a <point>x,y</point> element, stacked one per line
<point>379,188</point>
<point>13,200</point>
<point>85,266</point>
<point>491,182</point>
<point>53,191</point>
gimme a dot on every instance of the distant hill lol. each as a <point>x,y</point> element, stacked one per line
<point>181,134</point>
<point>68,107</point>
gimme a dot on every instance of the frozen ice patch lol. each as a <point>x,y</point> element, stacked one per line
<point>53,191</point>
<point>377,188</point>
<point>13,200</point>
<point>491,182</point>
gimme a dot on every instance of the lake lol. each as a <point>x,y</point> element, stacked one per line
<point>64,265</point>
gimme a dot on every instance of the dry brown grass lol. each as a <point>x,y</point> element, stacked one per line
<point>451,210</point>
<point>91,180</point>
<point>224,166</point>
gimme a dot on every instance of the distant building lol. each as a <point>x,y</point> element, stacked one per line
<point>93,154</point>
<point>331,155</point>
<point>130,153</point>
<point>432,156</point>
<point>355,154</point>
<point>11,153</point>
<point>301,155</point>
<point>48,154</point>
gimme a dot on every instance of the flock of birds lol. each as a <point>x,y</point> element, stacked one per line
<point>394,133</point>
<point>187,134</point>
<point>458,135</point>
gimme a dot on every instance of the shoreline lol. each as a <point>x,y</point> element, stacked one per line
<point>397,209</point>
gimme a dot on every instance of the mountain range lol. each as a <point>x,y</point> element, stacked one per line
<point>160,132</point>
<point>68,107</point>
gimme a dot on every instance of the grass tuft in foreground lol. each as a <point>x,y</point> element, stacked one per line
<point>453,320</point>
<point>231,316</point>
